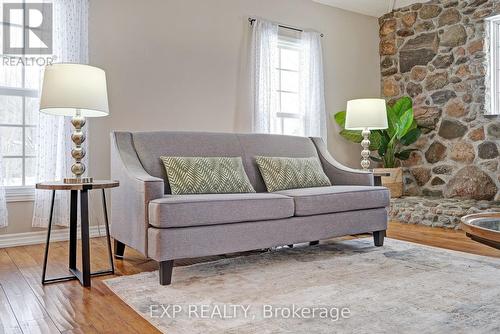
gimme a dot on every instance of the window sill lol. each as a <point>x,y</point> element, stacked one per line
<point>19,194</point>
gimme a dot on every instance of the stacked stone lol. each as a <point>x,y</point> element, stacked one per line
<point>437,212</point>
<point>437,53</point>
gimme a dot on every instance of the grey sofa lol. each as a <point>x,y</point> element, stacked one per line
<point>164,227</point>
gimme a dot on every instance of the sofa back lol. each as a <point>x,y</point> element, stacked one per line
<point>151,145</point>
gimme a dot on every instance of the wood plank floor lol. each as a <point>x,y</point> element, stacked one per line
<point>28,307</point>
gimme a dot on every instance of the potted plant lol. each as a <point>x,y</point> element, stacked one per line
<point>390,144</point>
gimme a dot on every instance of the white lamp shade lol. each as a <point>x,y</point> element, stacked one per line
<point>368,114</point>
<point>68,87</point>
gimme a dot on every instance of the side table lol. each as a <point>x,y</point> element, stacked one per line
<point>84,274</point>
<point>377,176</point>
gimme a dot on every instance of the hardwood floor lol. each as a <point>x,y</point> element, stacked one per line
<point>28,307</point>
<point>439,237</point>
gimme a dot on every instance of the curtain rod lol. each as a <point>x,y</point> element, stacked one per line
<point>252,20</point>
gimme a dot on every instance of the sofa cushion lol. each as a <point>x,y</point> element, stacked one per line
<point>321,200</point>
<point>209,209</point>
<point>281,173</point>
<point>206,175</point>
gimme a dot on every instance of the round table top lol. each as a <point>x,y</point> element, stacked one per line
<point>376,173</point>
<point>60,185</point>
<point>485,225</point>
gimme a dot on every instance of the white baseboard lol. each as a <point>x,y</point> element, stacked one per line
<point>39,237</point>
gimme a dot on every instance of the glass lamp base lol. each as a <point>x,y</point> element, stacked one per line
<point>78,180</point>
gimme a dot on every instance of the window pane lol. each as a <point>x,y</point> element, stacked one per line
<point>13,171</point>
<point>293,126</point>
<point>32,110</point>
<point>30,171</point>
<point>11,140</point>
<point>289,103</point>
<point>16,32</point>
<point>289,59</point>
<point>11,75</point>
<point>277,125</point>
<point>33,76</point>
<point>290,81</point>
<point>30,133</point>
<point>11,111</point>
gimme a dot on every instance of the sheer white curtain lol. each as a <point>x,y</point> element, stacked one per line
<point>312,92</point>
<point>3,204</point>
<point>70,38</point>
<point>264,81</point>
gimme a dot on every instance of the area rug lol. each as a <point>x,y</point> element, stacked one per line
<point>340,287</point>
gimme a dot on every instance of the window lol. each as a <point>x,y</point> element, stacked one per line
<point>287,80</point>
<point>20,79</point>
<point>289,120</point>
<point>494,65</point>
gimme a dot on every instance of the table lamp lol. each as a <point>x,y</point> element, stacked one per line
<point>78,91</point>
<point>366,115</point>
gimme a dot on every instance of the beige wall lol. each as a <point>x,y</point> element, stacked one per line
<point>181,65</point>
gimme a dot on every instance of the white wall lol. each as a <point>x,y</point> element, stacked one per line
<point>181,65</point>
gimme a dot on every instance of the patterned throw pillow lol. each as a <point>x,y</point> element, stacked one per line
<point>200,175</point>
<point>291,173</point>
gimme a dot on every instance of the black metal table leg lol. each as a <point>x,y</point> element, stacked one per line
<point>108,237</point>
<point>73,228</point>
<point>84,216</point>
<point>44,271</point>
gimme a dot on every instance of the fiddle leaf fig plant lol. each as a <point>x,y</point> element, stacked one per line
<point>390,144</point>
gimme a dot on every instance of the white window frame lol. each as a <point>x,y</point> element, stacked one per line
<point>23,192</point>
<point>494,65</point>
<point>285,42</point>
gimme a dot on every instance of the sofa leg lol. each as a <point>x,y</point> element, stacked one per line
<point>119,249</point>
<point>378,238</point>
<point>166,272</point>
<point>314,243</point>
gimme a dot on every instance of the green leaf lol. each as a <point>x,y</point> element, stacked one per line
<point>376,159</point>
<point>353,136</point>
<point>404,123</point>
<point>340,118</point>
<point>411,137</point>
<point>404,155</point>
<point>375,140</point>
<point>392,120</point>
<point>402,105</point>
<point>384,142</point>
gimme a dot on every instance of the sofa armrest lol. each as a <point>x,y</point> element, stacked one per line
<point>338,173</point>
<point>130,201</point>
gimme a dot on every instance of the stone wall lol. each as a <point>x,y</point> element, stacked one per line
<point>437,53</point>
